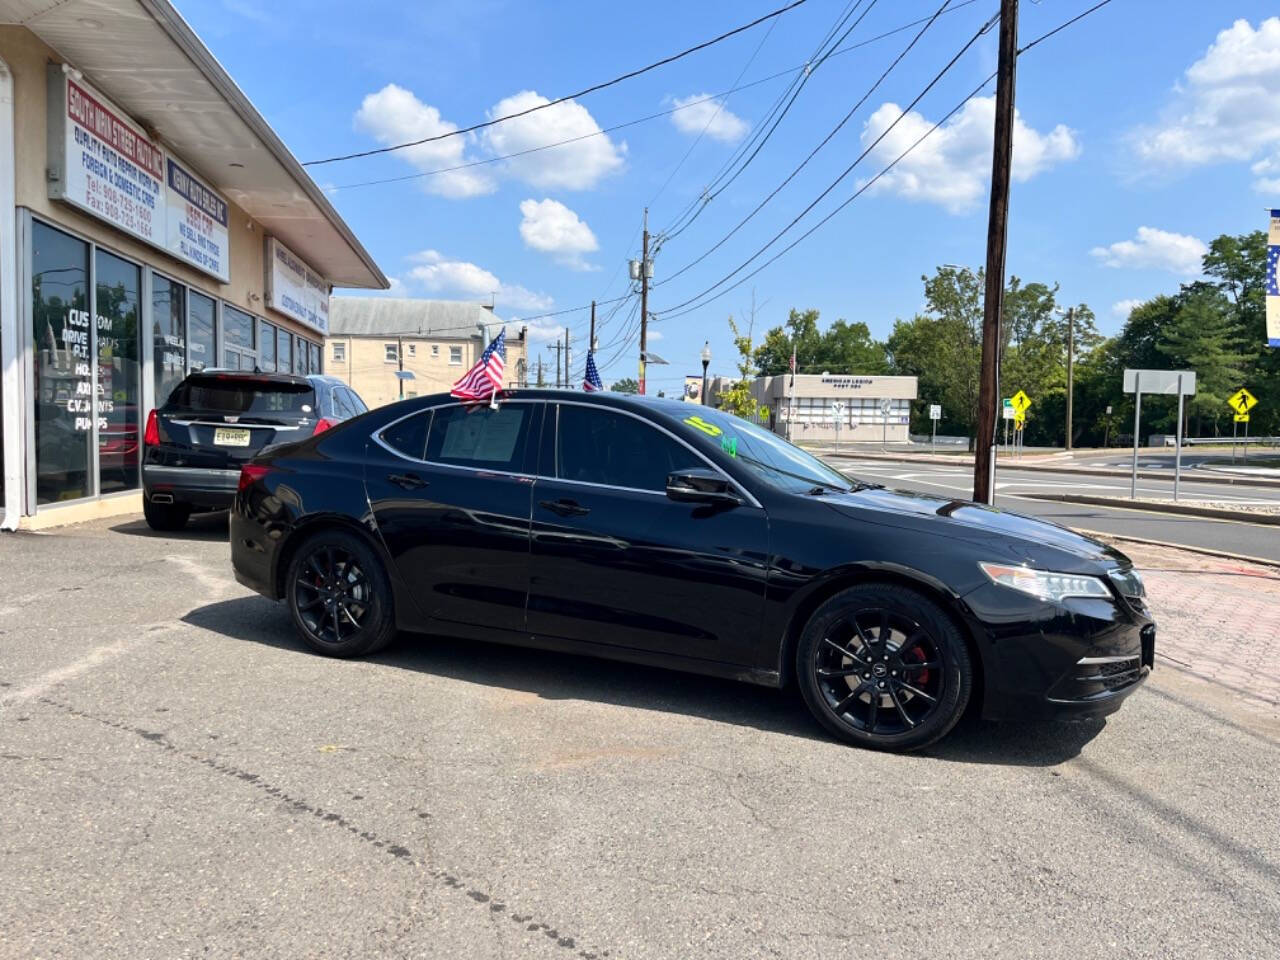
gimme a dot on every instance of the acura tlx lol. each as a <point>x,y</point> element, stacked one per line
<point>667,533</point>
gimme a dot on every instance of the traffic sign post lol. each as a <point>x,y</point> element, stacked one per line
<point>837,408</point>
<point>1242,401</point>
<point>935,414</point>
<point>885,406</point>
<point>1137,382</point>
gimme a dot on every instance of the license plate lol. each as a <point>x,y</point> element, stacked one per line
<point>223,437</point>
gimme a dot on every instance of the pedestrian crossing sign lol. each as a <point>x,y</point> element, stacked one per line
<point>1020,401</point>
<point>1242,401</point>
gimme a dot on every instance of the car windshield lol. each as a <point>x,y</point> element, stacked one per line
<point>772,459</point>
<point>241,395</point>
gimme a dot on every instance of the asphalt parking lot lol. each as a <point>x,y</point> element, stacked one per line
<point>182,779</point>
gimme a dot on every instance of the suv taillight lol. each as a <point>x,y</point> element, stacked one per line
<point>250,473</point>
<point>322,425</point>
<point>151,437</point>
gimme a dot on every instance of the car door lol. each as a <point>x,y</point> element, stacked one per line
<point>614,561</point>
<point>450,493</point>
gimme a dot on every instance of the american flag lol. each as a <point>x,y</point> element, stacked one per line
<point>484,379</point>
<point>591,381</point>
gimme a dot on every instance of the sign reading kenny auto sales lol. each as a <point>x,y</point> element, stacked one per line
<point>103,164</point>
<point>295,289</point>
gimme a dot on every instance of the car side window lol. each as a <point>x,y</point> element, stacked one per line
<point>616,450</point>
<point>339,404</point>
<point>354,401</point>
<point>480,437</point>
<point>409,436</point>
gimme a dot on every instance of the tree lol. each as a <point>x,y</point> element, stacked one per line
<point>1204,337</point>
<point>738,399</point>
<point>625,385</point>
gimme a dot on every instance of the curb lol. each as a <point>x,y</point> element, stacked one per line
<point>1240,516</point>
<point>1204,551</point>
<point>1187,475</point>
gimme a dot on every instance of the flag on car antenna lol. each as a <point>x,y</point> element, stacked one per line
<point>484,380</point>
<point>591,381</point>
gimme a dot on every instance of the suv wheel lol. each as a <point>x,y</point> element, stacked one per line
<point>883,666</point>
<point>165,517</point>
<point>340,596</point>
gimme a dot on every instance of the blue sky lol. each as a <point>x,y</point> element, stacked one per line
<point>1145,135</point>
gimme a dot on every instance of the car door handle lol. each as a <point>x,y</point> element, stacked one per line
<point>565,508</point>
<point>407,481</point>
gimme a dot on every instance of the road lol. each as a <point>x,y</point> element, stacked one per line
<point>1015,487</point>
<point>182,779</point>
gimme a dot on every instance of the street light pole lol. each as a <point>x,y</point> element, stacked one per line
<point>1071,357</point>
<point>706,362</point>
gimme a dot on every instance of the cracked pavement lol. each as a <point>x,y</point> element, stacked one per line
<point>181,778</point>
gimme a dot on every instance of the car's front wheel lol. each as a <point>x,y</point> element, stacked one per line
<point>883,666</point>
<point>339,595</point>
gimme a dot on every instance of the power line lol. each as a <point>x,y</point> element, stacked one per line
<point>814,152</point>
<point>799,88</point>
<point>572,96</point>
<point>847,170</point>
<point>683,309</point>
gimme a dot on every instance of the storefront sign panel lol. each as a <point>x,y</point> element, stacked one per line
<point>196,221</point>
<point>296,290</point>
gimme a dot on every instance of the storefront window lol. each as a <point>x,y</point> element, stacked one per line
<point>168,310</point>
<point>63,377</point>
<point>267,351</point>
<point>119,371</point>
<point>284,355</point>
<point>300,356</point>
<point>237,339</point>
<point>200,342</point>
<point>315,358</point>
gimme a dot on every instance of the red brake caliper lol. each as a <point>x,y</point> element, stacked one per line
<point>922,676</point>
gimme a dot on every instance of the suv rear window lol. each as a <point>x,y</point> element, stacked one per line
<point>242,395</point>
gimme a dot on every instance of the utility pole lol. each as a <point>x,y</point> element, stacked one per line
<point>1071,356</point>
<point>541,382</point>
<point>567,381</point>
<point>984,458</point>
<point>644,297</point>
<point>591,343</point>
<point>557,347</point>
<point>400,361</point>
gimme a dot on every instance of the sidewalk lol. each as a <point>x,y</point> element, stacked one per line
<point>1217,621</point>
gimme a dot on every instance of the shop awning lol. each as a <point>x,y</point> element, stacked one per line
<point>145,57</point>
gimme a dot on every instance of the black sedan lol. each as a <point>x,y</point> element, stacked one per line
<point>668,533</point>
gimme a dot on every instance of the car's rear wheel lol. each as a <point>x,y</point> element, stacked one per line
<point>883,666</point>
<point>165,517</point>
<point>340,596</point>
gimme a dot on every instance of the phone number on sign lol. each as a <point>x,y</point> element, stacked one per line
<point>106,200</point>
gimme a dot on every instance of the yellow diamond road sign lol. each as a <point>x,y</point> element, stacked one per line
<point>1020,401</point>
<point>1242,401</point>
<point>1242,418</point>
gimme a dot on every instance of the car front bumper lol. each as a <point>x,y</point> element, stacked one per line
<point>1073,660</point>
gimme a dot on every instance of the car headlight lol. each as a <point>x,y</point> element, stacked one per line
<point>1044,585</point>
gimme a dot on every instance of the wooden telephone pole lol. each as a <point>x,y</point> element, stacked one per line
<point>557,347</point>
<point>644,298</point>
<point>984,458</point>
<point>591,343</point>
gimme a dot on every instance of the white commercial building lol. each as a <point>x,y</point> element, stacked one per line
<point>861,408</point>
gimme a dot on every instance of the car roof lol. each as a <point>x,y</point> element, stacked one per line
<point>226,373</point>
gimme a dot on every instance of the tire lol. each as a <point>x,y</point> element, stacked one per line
<point>165,517</point>
<point>339,595</point>
<point>900,691</point>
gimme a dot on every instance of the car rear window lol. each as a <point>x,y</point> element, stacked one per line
<point>243,395</point>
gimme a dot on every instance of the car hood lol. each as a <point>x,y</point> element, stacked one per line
<point>1007,535</point>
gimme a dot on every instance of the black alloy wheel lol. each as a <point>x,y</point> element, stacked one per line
<point>340,596</point>
<point>882,666</point>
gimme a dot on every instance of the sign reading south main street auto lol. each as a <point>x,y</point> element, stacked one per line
<point>294,289</point>
<point>100,162</point>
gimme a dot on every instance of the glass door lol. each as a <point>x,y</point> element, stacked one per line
<point>119,394</point>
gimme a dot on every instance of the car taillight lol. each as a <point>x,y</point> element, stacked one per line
<point>151,437</point>
<point>251,473</point>
<point>322,425</point>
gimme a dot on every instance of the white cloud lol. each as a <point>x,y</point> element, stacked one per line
<point>952,166</point>
<point>435,273</point>
<point>653,336</point>
<point>550,227</point>
<point>1122,308</point>
<point>394,115</point>
<point>1226,108</point>
<point>701,111</point>
<point>572,166</point>
<point>1154,249</point>
<point>544,331</point>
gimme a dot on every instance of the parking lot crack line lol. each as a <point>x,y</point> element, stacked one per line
<point>397,851</point>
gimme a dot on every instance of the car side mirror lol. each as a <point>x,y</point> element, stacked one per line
<point>701,485</point>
